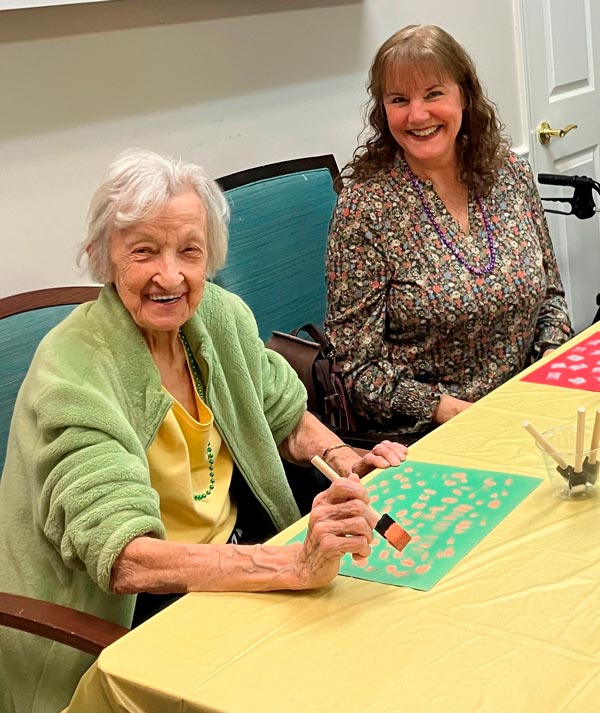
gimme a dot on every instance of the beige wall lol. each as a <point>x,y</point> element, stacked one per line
<point>212,80</point>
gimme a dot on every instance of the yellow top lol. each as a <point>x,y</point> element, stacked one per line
<point>179,470</point>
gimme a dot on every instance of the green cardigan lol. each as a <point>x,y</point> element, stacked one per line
<point>75,487</point>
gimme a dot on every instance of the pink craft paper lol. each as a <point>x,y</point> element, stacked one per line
<point>577,368</point>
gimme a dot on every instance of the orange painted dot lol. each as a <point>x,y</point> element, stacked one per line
<point>494,504</point>
<point>422,568</point>
<point>463,508</point>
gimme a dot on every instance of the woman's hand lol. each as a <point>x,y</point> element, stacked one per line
<point>338,523</point>
<point>385,454</point>
<point>311,437</point>
<point>449,407</point>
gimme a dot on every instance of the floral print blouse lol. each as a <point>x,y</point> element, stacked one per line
<point>410,322</point>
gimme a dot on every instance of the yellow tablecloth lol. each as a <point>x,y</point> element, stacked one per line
<point>514,627</point>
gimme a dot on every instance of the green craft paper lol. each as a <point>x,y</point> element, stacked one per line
<point>446,510</point>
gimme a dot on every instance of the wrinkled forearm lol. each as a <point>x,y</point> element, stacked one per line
<point>308,438</point>
<point>311,438</point>
<point>150,565</point>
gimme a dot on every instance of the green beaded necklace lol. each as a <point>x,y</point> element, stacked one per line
<point>209,453</point>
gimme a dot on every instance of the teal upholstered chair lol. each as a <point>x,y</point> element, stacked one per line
<point>24,320</point>
<point>280,217</point>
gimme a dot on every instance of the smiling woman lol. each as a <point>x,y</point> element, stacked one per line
<point>145,457</point>
<point>424,116</point>
<point>442,281</point>
<point>159,266</point>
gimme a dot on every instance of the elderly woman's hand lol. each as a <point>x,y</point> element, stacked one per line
<point>311,437</point>
<point>383,455</point>
<point>338,523</point>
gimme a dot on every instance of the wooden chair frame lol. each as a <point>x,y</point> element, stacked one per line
<point>52,621</point>
<point>49,297</point>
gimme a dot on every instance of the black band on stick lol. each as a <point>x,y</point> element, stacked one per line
<point>384,524</point>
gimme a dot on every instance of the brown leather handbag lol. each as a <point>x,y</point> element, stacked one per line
<point>314,362</point>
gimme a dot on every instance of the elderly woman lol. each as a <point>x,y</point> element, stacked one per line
<point>147,438</point>
<point>442,281</point>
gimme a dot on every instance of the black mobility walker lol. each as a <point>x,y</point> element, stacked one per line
<point>581,203</point>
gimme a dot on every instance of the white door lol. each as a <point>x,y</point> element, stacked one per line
<point>561,40</point>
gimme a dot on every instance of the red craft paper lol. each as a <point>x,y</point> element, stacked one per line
<point>577,368</point>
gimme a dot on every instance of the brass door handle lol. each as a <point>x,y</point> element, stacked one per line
<point>545,132</point>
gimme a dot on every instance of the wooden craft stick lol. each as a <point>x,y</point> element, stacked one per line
<point>385,525</point>
<point>579,440</point>
<point>545,444</point>
<point>595,439</point>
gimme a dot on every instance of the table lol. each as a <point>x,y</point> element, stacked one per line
<point>514,627</point>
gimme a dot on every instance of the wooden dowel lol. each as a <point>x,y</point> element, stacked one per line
<point>325,468</point>
<point>595,439</point>
<point>545,444</point>
<point>579,440</point>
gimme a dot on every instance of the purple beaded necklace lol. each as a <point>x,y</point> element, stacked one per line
<point>453,249</point>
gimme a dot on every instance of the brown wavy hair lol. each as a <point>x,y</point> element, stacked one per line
<point>482,148</point>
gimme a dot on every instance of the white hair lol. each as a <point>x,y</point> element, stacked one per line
<point>137,185</point>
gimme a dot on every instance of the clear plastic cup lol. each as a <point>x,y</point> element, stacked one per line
<point>566,483</point>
